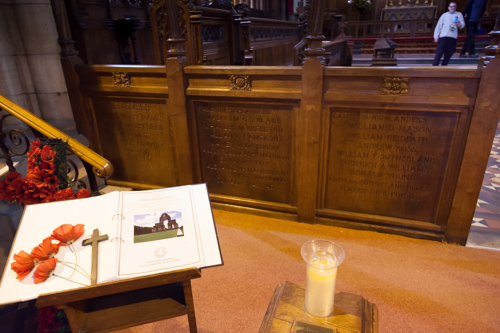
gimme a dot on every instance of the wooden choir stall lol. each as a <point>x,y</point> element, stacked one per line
<point>397,150</point>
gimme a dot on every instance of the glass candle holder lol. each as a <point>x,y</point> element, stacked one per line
<point>322,258</point>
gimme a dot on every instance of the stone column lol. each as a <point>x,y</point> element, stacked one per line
<point>30,67</point>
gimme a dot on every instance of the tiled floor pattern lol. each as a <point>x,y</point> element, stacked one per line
<point>485,229</point>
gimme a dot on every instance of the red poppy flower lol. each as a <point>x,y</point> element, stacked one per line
<point>45,270</point>
<point>47,168</point>
<point>30,194</point>
<point>60,195</point>
<point>11,187</point>
<point>46,319</point>
<point>12,175</point>
<point>45,250</point>
<point>16,189</point>
<point>68,234</point>
<point>35,175</point>
<point>16,185</point>
<point>65,194</point>
<point>4,193</point>
<point>47,154</point>
<point>23,266</point>
<point>34,152</point>
<point>36,143</point>
<point>51,182</point>
<point>83,193</point>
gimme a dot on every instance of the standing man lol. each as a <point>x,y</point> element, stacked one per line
<point>473,12</point>
<point>446,34</point>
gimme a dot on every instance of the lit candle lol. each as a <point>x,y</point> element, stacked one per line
<point>320,289</point>
<point>323,258</point>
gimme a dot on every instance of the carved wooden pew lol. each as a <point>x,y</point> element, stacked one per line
<point>105,32</point>
<point>216,33</point>
<point>272,42</point>
<point>220,34</point>
<point>211,32</point>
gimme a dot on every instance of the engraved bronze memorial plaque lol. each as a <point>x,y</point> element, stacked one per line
<point>388,163</point>
<point>245,149</point>
<point>135,138</point>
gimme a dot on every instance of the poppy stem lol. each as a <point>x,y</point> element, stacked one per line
<point>76,260</point>
<point>59,276</point>
<point>76,268</point>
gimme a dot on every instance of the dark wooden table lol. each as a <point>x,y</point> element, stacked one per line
<point>286,313</point>
<point>110,306</point>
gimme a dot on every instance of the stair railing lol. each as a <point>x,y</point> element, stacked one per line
<point>15,141</point>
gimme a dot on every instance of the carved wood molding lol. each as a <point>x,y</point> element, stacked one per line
<point>121,79</point>
<point>240,82</point>
<point>243,10</point>
<point>395,86</point>
<point>212,33</point>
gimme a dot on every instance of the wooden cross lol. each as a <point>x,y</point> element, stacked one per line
<point>94,241</point>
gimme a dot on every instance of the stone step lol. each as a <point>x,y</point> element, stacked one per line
<point>365,60</point>
<point>420,45</point>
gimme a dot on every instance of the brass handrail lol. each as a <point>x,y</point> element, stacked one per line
<point>101,167</point>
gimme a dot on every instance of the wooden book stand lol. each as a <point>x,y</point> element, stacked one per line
<point>126,303</point>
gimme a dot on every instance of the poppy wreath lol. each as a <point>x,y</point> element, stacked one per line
<point>46,179</point>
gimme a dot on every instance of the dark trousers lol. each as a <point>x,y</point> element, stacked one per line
<point>469,44</point>
<point>446,46</point>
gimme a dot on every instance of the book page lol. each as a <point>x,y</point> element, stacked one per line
<point>39,221</point>
<point>158,232</point>
<point>205,224</point>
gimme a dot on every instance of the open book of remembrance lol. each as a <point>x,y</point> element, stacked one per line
<point>147,232</point>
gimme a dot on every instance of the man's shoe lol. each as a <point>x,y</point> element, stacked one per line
<point>473,56</point>
<point>463,55</point>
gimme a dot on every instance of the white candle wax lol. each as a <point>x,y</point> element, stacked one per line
<point>320,290</point>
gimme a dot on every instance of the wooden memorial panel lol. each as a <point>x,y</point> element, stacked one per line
<point>389,163</point>
<point>135,137</point>
<point>246,149</point>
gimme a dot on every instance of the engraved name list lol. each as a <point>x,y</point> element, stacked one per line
<point>245,150</point>
<point>388,164</point>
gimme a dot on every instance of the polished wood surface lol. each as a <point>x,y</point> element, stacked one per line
<point>109,306</point>
<point>371,148</point>
<point>272,42</point>
<point>352,313</point>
